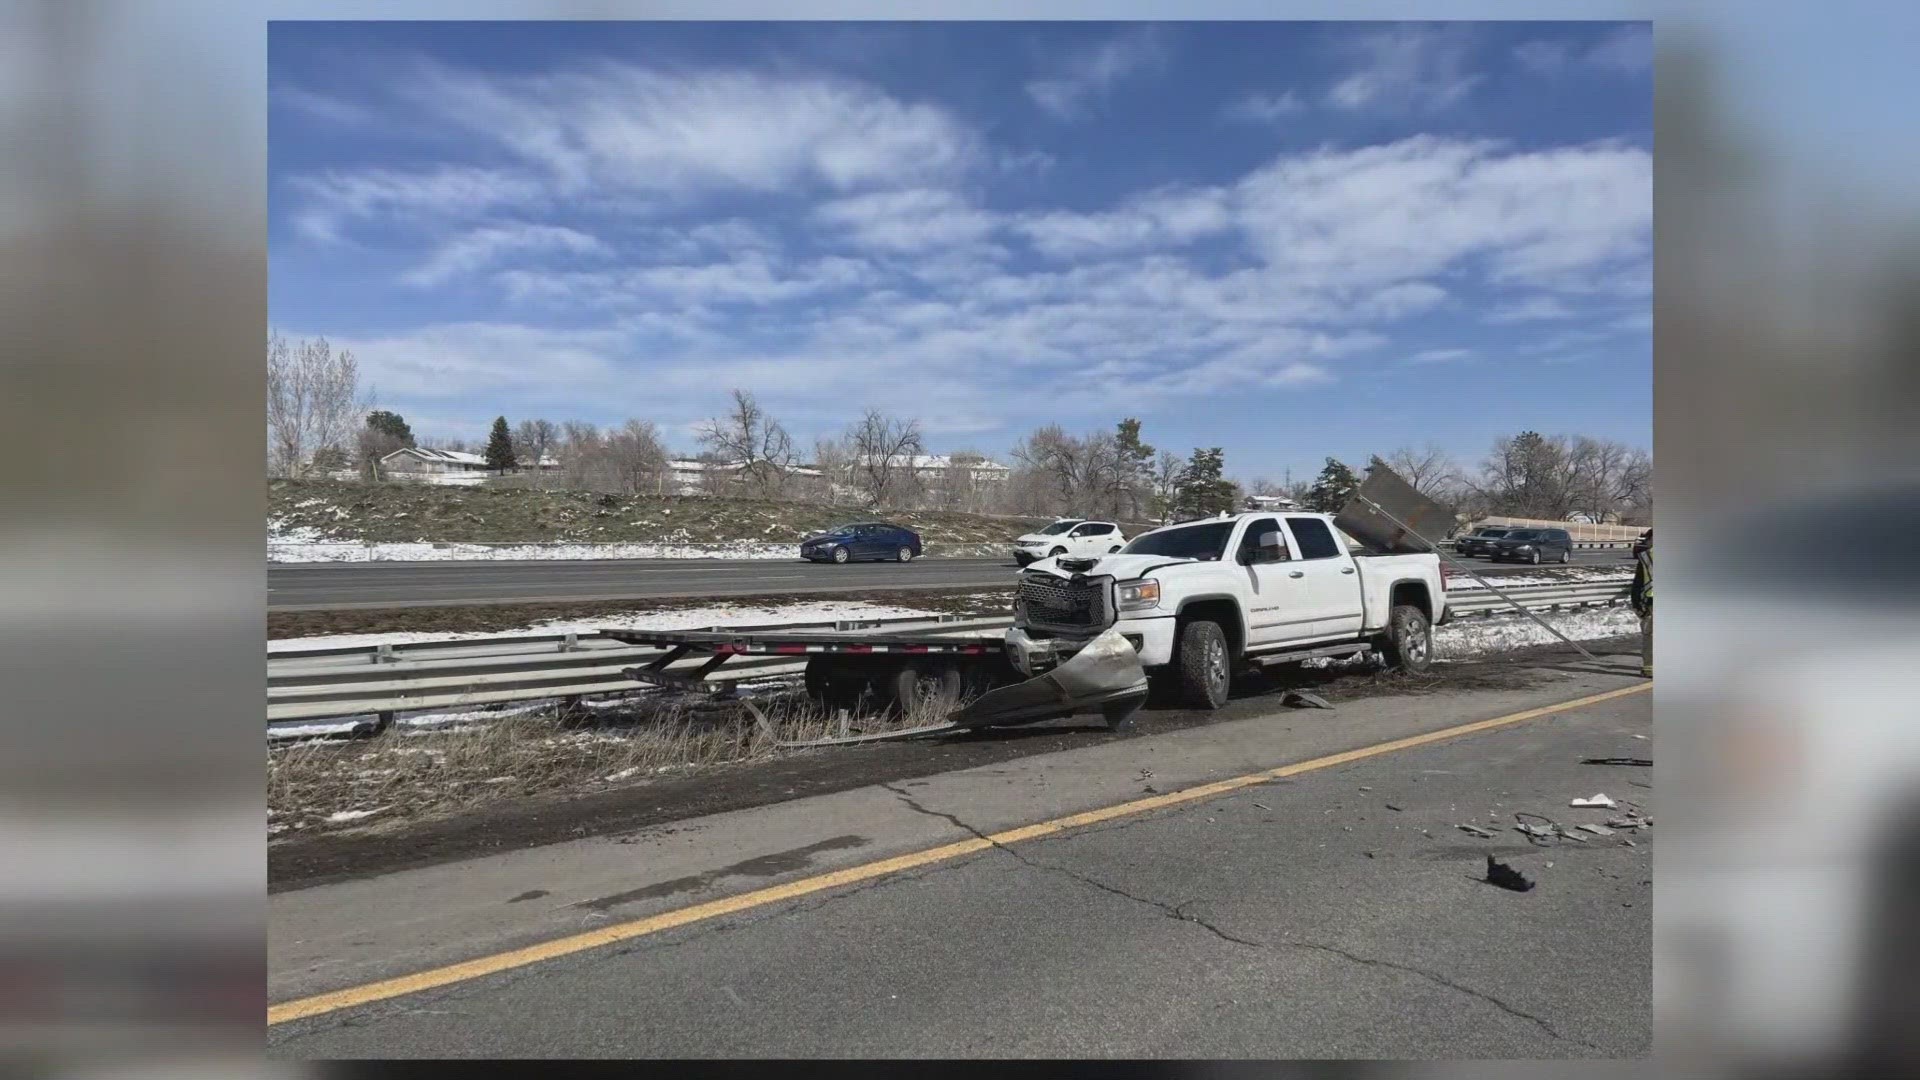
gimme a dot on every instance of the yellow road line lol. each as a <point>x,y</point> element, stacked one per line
<point>320,1004</point>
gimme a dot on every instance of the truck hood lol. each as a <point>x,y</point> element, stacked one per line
<point>1122,567</point>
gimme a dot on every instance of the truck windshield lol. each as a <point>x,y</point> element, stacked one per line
<point>1058,527</point>
<point>1204,542</point>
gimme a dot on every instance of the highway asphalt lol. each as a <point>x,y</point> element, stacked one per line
<point>335,586</point>
<point>1333,911</point>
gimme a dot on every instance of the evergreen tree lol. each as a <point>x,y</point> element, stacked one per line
<point>500,446</point>
<point>392,425</point>
<point>1203,490</point>
<point>1331,488</point>
<point>1134,471</point>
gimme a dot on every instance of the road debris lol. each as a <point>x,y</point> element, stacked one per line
<point>1300,699</point>
<point>1260,806</point>
<point>1395,809</point>
<point>1598,830</point>
<point>1484,834</point>
<point>1506,877</point>
<point>1630,820</point>
<point>1646,762</point>
<point>1597,802</point>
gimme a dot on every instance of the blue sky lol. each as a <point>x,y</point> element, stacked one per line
<point>1289,240</point>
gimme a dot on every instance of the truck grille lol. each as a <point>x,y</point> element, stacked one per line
<point>1053,602</point>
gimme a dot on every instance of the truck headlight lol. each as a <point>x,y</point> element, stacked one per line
<point>1135,595</point>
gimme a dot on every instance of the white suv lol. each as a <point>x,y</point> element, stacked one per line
<point>1069,536</point>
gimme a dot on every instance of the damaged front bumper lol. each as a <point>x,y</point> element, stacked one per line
<point>1102,672</point>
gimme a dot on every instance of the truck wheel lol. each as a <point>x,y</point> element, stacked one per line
<point>841,554</point>
<point>1202,669</point>
<point>1409,642</point>
<point>833,689</point>
<point>1119,714</point>
<point>920,684</point>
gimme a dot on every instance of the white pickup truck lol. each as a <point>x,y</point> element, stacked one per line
<point>1202,599</point>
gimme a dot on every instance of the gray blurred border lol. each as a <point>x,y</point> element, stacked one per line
<point>132,211</point>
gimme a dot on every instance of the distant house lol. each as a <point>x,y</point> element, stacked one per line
<point>688,477</point>
<point>435,466</point>
<point>933,467</point>
<point>1270,502</point>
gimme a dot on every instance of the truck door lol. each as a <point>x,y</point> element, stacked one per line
<point>1278,608</point>
<point>1329,583</point>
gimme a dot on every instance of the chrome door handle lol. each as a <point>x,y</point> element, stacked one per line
<point>1298,573</point>
<point>1347,570</point>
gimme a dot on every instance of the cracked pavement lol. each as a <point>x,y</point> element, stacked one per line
<point>1296,918</point>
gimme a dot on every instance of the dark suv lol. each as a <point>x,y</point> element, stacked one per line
<point>1480,541</point>
<point>1534,546</point>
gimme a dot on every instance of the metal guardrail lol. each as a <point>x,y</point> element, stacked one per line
<point>329,681</point>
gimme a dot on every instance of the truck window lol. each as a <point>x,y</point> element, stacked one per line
<point>1250,540</point>
<point>1203,542</point>
<point>1314,539</point>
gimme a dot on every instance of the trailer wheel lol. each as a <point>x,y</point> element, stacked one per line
<point>1202,671</point>
<point>1409,641</point>
<point>918,683</point>
<point>832,687</point>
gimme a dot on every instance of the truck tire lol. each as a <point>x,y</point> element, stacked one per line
<point>1408,645</point>
<point>1202,670</point>
<point>841,554</point>
<point>833,689</point>
<point>919,683</point>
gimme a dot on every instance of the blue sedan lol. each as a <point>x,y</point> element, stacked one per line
<point>866,540</point>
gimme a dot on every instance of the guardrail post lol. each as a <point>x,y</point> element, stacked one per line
<point>570,643</point>
<point>383,654</point>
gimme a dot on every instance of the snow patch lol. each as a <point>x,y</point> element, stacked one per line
<point>1504,633</point>
<point>352,815</point>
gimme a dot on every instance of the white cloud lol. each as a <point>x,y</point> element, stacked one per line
<point>1162,219</point>
<point>337,111</point>
<point>523,365</point>
<point>1625,51</point>
<point>913,220</point>
<point>336,199</point>
<point>1408,210</point>
<point>1065,92</point>
<point>1266,107</point>
<point>753,278</point>
<point>479,248</point>
<point>681,133</point>
<point>1532,309</point>
<point>1439,356</point>
<point>1415,68</point>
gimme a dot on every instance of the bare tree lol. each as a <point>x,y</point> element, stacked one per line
<point>1078,475</point>
<point>883,451</point>
<point>834,460</point>
<point>313,402</point>
<point>635,459</point>
<point>753,442</point>
<point>1429,470</point>
<point>1166,483</point>
<point>534,441</point>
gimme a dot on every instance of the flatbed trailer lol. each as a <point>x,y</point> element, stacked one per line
<point>949,658</point>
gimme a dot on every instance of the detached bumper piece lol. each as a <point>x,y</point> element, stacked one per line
<point>1104,672</point>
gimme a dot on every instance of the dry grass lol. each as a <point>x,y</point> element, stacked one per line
<point>408,774</point>
<point>407,512</point>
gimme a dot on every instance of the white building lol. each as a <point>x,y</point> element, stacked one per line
<point>933,467</point>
